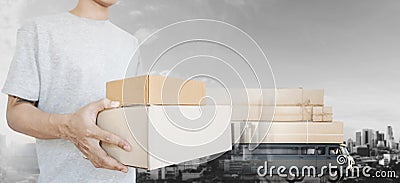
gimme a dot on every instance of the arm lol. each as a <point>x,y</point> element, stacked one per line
<point>24,117</point>
<point>79,127</point>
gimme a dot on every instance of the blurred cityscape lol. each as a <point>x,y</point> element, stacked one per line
<point>18,162</point>
<point>376,149</point>
<point>372,148</point>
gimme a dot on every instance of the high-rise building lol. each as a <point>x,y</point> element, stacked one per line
<point>390,138</point>
<point>390,132</point>
<point>380,139</point>
<point>358,138</point>
<point>380,136</point>
<point>367,138</point>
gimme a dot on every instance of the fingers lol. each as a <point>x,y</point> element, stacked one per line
<point>100,159</point>
<point>105,104</point>
<point>112,164</point>
<point>83,149</point>
<point>103,160</point>
<point>111,138</point>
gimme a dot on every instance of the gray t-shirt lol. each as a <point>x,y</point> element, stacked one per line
<point>63,61</point>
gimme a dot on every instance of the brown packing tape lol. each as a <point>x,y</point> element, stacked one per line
<point>322,114</point>
<point>328,118</point>
<point>322,118</point>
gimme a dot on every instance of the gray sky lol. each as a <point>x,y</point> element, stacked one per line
<point>349,48</point>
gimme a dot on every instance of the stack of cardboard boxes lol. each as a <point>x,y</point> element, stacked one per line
<point>165,121</point>
<point>283,116</point>
<point>168,121</point>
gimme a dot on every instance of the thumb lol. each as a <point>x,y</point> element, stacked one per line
<point>105,103</point>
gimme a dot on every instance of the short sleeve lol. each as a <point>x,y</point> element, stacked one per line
<point>23,76</point>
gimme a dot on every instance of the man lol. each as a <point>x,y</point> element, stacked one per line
<point>60,67</point>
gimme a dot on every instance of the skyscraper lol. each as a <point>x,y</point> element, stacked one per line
<point>358,138</point>
<point>380,136</point>
<point>380,139</point>
<point>390,137</point>
<point>367,138</point>
<point>390,133</point>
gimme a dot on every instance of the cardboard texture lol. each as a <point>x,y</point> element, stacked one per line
<point>267,97</point>
<point>157,90</point>
<point>322,114</point>
<point>313,97</point>
<point>287,132</point>
<point>270,113</point>
<point>329,138</point>
<point>290,113</point>
<point>166,135</point>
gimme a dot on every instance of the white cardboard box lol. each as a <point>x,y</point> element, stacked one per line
<point>166,135</point>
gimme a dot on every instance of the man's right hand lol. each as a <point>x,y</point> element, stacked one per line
<point>81,129</point>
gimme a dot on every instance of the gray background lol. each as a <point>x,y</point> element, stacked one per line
<point>349,48</point>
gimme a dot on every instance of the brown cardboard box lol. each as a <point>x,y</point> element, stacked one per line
<point>288,113</point>
<point>329,138</point>
<point>322,114</point>
<point>158,90</point>
<point>166,135</point>
<point>335,127</point>
<point>288,96</point>
<point>267,97</point>
<point>296,97</point>
<point>314,97</point>
<point>286,132</point>
<point>270,113</point>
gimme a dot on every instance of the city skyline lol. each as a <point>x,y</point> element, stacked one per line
<point>387,133</point>
<point>373,138</point>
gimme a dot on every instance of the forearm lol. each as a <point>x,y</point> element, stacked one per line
<point>25,118</point>
<point>79,127</point>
